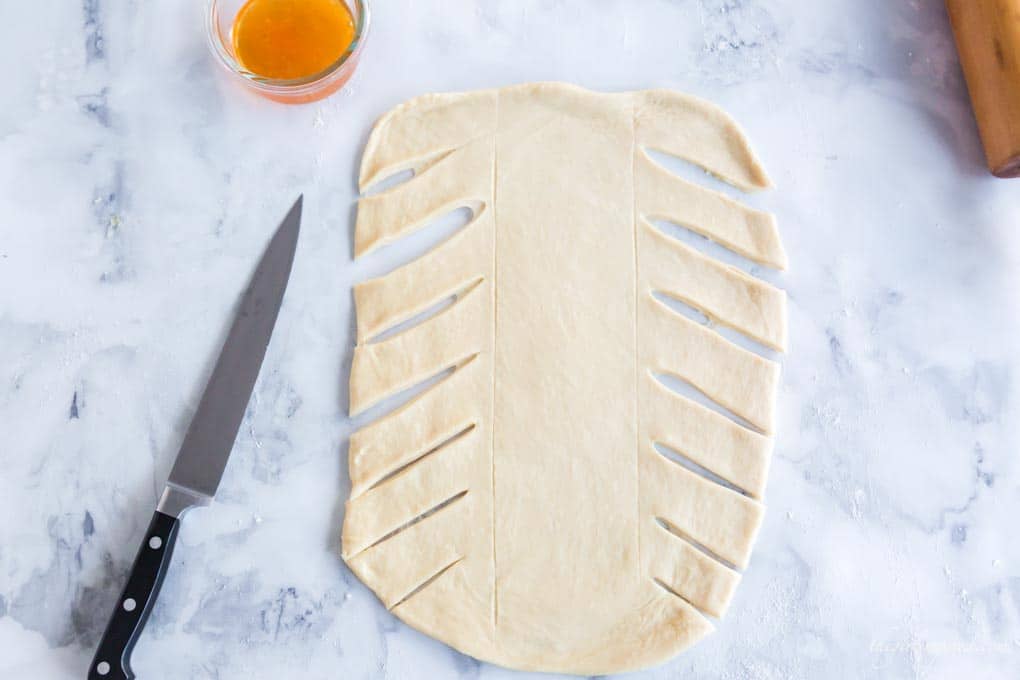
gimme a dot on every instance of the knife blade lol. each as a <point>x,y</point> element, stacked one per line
<point>203,455</point>
<point>206,447</point>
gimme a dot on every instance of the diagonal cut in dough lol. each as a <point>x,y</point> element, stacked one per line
<point>519,510</point>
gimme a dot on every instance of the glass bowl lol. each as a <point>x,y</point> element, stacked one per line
<point>219,23</point>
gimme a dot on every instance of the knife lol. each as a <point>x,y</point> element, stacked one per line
<point>203,455</point>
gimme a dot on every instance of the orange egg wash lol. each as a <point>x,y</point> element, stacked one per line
<point>289,39</point>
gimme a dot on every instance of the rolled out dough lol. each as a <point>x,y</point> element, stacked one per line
<point>518,510</point>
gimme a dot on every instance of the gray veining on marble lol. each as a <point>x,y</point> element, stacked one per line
<point>138,186</point>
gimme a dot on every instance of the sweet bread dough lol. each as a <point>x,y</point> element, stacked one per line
<point>518,509</point>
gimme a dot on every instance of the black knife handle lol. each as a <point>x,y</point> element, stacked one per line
<point>112,659</point>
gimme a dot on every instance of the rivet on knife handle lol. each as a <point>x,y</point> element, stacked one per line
<point>112,660</point>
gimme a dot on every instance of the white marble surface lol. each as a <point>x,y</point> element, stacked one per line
<point>137,186</point>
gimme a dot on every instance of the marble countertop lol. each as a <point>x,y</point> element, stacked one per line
<point>138,185</point>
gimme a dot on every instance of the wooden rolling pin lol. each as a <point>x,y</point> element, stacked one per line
<point>988,40</point>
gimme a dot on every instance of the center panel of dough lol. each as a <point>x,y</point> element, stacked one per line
<point>563,438</point>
